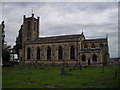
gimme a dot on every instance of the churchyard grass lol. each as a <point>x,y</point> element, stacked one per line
<point>31,77</point>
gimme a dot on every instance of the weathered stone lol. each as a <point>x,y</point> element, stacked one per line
<point>68,49</point>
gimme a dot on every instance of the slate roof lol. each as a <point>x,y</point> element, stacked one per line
<point>55,39</point>
<point>95,40</point>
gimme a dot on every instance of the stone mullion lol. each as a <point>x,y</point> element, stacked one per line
<point>44,53</point>
<point>78,53</point>
<point>52,53</point>
<point>35,53</point>
<point>63,53</point>
<point>68,52</point>
<point>41,53</point>
<point>32,53</point>
<point>25,55</point>
<point>56,53</point>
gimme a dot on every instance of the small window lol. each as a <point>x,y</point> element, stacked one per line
<point>101,45</point>
<point>93,45</point>
<point>29,33</point>
<point>85,46</point>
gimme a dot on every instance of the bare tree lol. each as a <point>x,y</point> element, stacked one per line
<point>3,34</point>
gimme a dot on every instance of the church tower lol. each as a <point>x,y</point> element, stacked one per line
<point>30,28</point>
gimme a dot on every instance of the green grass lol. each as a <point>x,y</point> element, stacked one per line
<point>89,77</point>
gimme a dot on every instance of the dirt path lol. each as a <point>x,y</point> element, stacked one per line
<point>45,85</point>
<point>52,86</point>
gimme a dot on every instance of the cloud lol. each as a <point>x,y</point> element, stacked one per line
<point>61,1</point>
<point>63,18</point>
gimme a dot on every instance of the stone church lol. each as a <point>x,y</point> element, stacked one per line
<point>68,49</point>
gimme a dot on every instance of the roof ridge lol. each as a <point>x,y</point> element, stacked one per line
<point>60,36</point>
<point>94,39</point>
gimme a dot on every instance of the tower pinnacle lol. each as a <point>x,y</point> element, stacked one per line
<point>106,36</point>
<point>82,31</point>
<point>32,13</point>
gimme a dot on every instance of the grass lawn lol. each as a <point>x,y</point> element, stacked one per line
<point>89,77</point>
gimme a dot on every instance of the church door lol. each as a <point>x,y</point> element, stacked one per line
<point>88,61</point>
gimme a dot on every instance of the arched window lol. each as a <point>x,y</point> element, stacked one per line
<point>83,57</point>
<point>29,25</point>
<point>28,53</point>
<point>60,53</point>
<point>94,57</point>
<point>48,53</point>
<point>93,45</point>
<point>38,53</point>
<point>85,46</point>
<point>72,52</point>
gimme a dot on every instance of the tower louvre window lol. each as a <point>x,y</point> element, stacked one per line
<point>29,24</point>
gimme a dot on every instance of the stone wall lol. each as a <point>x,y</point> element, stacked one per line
<point>89,58</point>
<point>79,51</point>
<point>101,51</point>
<point>54,50</point>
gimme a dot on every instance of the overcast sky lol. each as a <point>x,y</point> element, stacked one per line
<point>96,19</point>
